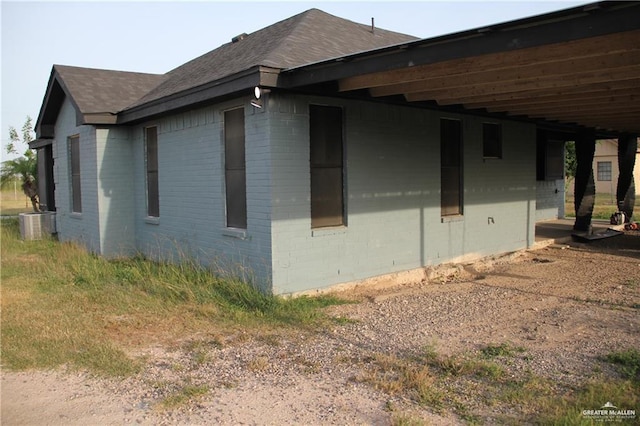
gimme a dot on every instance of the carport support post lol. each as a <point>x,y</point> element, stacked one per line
<point>585,188</point>
<point>626,192</point>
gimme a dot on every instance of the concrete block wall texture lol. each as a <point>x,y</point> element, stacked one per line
<point>116,199</point>
<point>550,199</point>
<point>392,193</point>
<point>82,227</point>
<point>192,220</point>
<point>392,157</point>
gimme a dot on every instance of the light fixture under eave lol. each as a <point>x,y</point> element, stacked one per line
<point>257,93</point>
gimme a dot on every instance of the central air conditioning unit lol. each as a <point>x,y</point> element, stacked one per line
<point>35,226</point>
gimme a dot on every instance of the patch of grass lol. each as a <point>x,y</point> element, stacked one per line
<point>447,382</point>
<point>632,283</point>
<point>462,365</point>
<point>502,349</point>
<point>568,410</point>
<point>406,420</point>
<point>344,320</point>
<point>199,351</point>
<point>64,306</point>
<point>259,363</point>
<point>524,392</point>
<point>183,395</point>
<point>628,363</point>
<point>396,376</point>
<point>605,205</point>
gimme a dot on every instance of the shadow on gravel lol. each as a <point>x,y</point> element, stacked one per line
<point>627,244</point>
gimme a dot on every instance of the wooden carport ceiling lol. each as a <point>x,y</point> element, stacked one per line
<point>592,82</point>
<point>575,69</point>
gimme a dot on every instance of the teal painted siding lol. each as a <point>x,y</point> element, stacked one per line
<point>115,191</point>
<point>192,199</point>
<point>550,198</point>
<point>392,193</point>
<point>393,198</point>
<point>83,227</point>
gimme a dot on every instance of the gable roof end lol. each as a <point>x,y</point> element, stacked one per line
<point>97,95</point>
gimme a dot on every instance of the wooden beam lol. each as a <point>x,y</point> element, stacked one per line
<point>539,83</point>
<point>544,99</point>
<point>616,123</point>
<point>518,76</point>
<point>612,127</point>
<point>594,114</point>
<point>579,118</point>
<point>560,104</point>
<point>560,52</point>
<point>593,88</point>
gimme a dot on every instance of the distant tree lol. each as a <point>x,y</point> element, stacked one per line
<point>24,167</point>
<point>570,161</point>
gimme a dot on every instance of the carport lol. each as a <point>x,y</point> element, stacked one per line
<point>575,73</point>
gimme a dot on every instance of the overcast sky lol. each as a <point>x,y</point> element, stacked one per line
<point>156,37</point>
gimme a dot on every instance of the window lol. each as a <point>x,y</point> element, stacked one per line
<point>491,140</point>
<point>326,161</point>
<point>450,167</point>
<point>549,159</point>
<point>151,153</point>
<point>74,160</point>
<point>234,169</point>
<point>604,170</point>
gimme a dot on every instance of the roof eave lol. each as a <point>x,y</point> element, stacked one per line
<point>41,129</point>
<point>252,77</point>
<point>55,94</point>
<point>40,143</point>
<point>99,118</point>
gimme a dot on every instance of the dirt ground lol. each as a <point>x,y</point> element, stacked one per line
<point>566,305</point>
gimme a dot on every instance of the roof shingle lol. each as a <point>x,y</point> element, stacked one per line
<point>305,38</point>
<point>105,91</point>
<point>302,39</point>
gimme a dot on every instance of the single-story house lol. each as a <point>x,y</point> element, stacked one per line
<point>606,169</point>
<point>320,151</point>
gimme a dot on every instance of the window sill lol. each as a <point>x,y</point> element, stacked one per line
<point>325,232</point>
<point>238,233</point>
<point>75,215</point>
<point>452,218</point>
<point>151,220</point>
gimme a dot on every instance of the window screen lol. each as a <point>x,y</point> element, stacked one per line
<point>326,149</point>
<point>491,140</point>
<point>74,159</point>
<point>153,196</point>
<point>234,167</point>
<point>555,160</point>
<point>549,159</point>
<point>450,167</point>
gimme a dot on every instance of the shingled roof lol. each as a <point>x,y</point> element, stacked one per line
<point>305,38</point>
<point>105,91</point>
<point>97,95</point>
<point>105,96</point>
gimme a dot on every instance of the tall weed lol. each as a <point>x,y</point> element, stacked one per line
<point>64,306</point>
